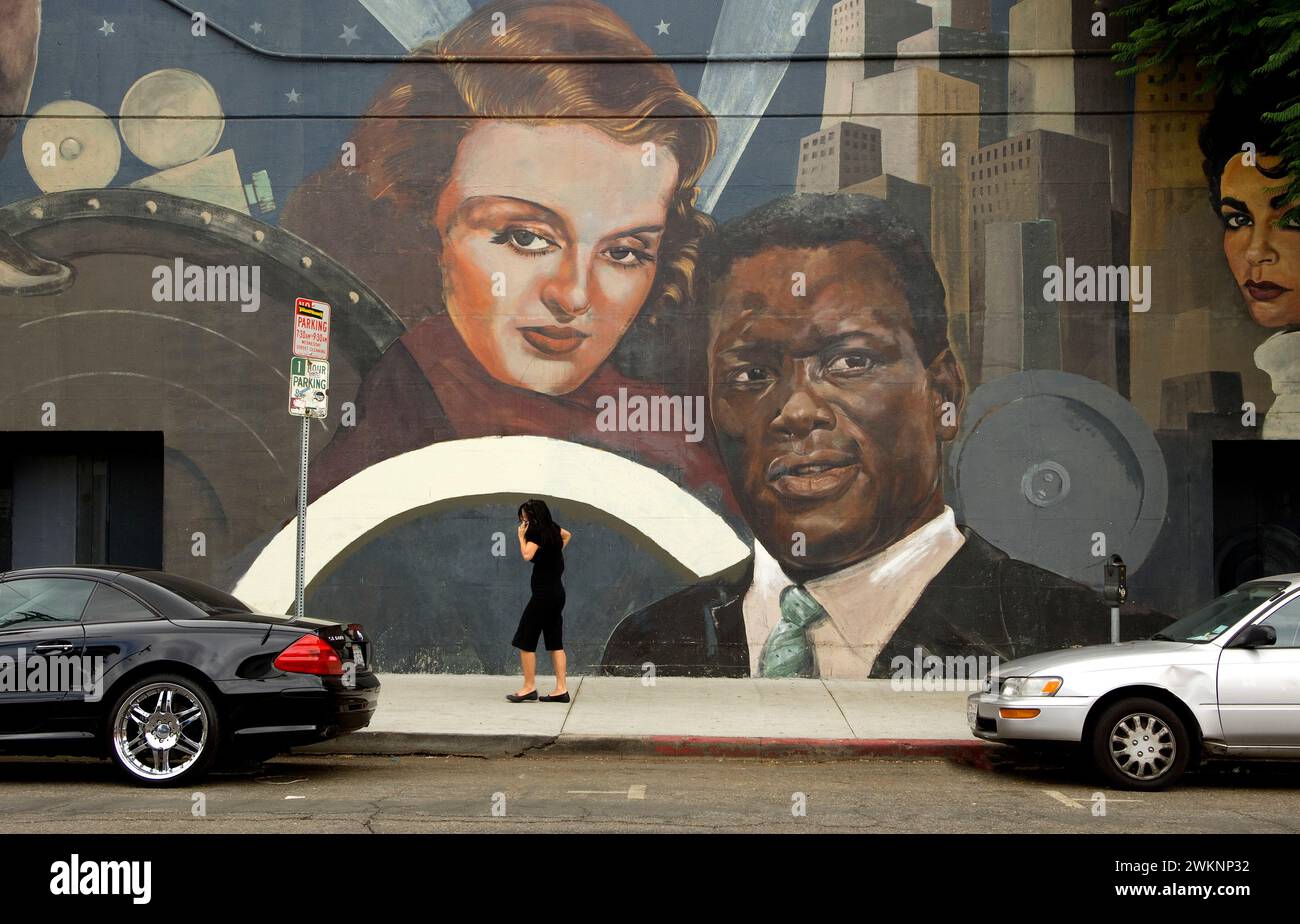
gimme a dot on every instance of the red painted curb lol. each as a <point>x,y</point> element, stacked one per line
<point>899,748</point>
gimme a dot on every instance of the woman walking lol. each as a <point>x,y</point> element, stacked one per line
<point>542,542</point>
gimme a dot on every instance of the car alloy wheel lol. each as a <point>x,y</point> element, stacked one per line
<point>1142,747</point>
<point>1140,743</point>
<point>162,730</point>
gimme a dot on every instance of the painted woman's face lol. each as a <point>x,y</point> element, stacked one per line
<point>1261,240</point>
<point>550,237</point>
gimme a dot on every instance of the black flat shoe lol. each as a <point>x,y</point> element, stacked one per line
<point>526,698</point>
<point>562,698</point>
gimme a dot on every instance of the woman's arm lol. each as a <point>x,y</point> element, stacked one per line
<point>565,536</point>
<point>526,548</point>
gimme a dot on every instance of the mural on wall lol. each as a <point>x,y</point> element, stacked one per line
<point>825,363</point>
<point>521,253</point>
<point>21,271</point>
<point>832,406</point>
<point>1261,236</point>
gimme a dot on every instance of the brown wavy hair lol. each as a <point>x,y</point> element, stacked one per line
<point>573,61</point>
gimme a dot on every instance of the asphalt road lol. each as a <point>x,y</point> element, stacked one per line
<point>573,794</point>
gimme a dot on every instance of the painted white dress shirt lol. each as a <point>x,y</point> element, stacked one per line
<point>1279,356</point>
<point>865,602</point>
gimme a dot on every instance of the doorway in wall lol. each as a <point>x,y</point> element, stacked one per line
<point>1256,510</point>
<point>85,498</point>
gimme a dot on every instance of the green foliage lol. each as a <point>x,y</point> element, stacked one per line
<point>1234,43</point>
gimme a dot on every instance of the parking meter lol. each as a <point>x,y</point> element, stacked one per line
<point>1115,587</point>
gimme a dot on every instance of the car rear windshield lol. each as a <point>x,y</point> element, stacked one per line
<point>1221,613</point>
<point>208,599</point>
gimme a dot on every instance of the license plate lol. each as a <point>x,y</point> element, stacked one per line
<point>972,713</point>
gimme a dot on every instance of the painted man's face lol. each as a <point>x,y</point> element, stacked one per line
<point>550,236</point>
<point>828,419</point>
<point>1261,240</point>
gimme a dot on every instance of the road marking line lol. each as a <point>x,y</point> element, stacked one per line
<point>632,792</point>
<point>1063,798</point>
<point>294,797</point>
<point>1075,803</point>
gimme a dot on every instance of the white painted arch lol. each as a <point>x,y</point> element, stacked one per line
<point>665,513</point>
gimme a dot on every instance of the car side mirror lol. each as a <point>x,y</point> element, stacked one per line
<point>1256,637</point>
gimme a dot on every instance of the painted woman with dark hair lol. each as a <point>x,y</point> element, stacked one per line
<point>1261,234</point>
<point>521,208</point>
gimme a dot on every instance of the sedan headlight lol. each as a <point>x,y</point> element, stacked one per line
<point>1013,687</point>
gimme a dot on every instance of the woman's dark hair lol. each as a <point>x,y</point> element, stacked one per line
<point>1237,119</point>
<point>539,516</point>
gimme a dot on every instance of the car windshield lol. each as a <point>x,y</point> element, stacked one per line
<point>1221,613</point>
<point>208,599</point>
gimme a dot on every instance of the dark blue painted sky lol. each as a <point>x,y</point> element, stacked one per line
<point>78,60</point>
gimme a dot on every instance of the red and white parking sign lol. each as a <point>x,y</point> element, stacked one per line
<point>311,329</point>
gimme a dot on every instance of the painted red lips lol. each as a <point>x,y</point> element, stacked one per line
<point>1264,291</point>
<point>554,340</point>
<point>814,475</point>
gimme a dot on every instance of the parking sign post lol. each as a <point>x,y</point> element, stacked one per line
<point>300,567</point>
<point>309,385</point>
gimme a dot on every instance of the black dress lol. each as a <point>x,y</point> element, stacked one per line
<point>542,615</point>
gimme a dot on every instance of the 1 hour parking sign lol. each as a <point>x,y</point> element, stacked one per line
<point>309,386</point>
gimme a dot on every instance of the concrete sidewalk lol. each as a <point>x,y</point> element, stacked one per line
<point>469,715</point>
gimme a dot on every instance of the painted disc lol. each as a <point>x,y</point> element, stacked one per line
<point>171,117</point>
<point>1046,460</point>
<point>69,144</point>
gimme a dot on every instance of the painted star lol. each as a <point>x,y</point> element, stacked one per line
<point>349,34</point>
<point>257,28</point>
<point>663,27</point>
<point>106,28</point>
<point>293,95</point>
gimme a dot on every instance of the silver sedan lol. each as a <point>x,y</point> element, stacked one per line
<point>1223,682</point>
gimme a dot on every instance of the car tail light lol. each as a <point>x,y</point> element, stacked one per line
<point>311,654</point>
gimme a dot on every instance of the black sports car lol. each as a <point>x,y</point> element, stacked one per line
<point>165,673</point>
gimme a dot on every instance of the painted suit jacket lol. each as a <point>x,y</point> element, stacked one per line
<point>983,602</point>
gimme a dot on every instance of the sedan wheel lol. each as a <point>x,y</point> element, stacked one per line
<point>1140,744</point>
<point>163,731</point>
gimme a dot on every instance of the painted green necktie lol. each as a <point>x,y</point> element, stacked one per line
<point>788,653</point>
